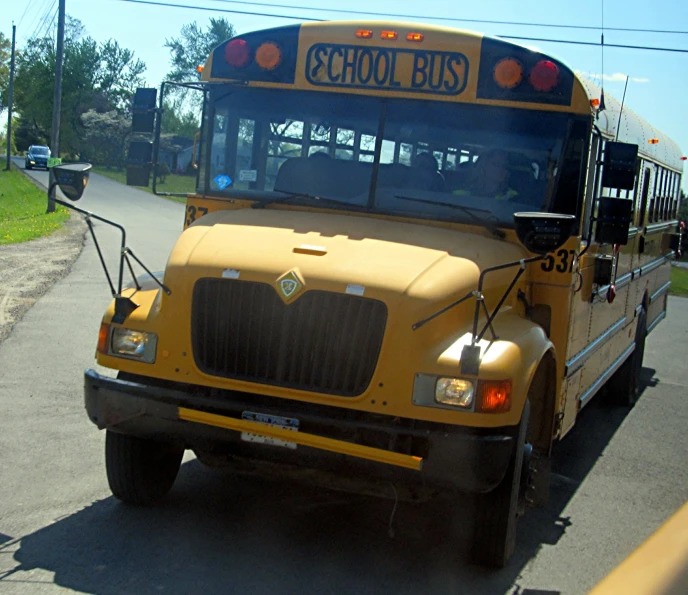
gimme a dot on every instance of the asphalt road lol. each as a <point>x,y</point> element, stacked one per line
<point>619,475</point>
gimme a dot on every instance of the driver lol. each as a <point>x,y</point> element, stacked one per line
<point>490,177</point>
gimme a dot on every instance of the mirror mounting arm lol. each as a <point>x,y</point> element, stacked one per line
<point>125,253</point>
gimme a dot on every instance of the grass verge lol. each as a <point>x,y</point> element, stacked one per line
<point>22,210</point>
<point>173,182</point>
<point>679,282</point>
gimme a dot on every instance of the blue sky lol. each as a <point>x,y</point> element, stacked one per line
<point>657,89</point>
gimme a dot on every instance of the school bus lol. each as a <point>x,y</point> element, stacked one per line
<point>412,256</point>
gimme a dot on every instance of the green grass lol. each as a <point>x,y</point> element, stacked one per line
<point>173,183</point>
<point>22,210</point>
<point>679,282</point>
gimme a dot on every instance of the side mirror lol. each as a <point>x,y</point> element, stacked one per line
<point>613,218</point>
<point>543,232</point>
<point>620,164</point>
<point>72,178</point>
<point>143,110</point>
<point>139,163</point>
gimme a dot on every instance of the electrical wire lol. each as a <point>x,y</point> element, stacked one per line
<point>449,19</point>
<point>302,18</point>
<point>42,20</point>
<point>35,21</point>
<point>26,8</point>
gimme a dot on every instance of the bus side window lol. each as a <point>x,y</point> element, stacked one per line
<point>643,198</point>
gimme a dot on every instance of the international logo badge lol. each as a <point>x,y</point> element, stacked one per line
<point>289,286</point>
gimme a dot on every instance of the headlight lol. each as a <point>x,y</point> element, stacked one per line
<point>455,391</point>
<point>134,344</point>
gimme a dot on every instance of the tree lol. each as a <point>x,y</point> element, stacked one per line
<point>193,47</point>
<point>5,59</point>
<point>178,121</point>
<point>100,77</point>
<point>683,208</point>
<point>105,137</point>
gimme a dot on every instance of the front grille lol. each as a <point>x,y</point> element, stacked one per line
<point>323,342</point>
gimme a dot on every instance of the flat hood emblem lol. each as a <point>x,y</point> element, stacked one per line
<point>289,286</point>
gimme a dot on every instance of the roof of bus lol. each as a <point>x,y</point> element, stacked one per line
<point>633,128</point>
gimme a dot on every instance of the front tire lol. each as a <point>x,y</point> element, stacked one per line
<point>623,387</point>
<point>497,512</point>
<point>140,471</point>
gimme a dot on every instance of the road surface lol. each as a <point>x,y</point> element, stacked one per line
<point>619,475</point>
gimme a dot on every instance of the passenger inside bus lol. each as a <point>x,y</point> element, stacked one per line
<point>429,173</point>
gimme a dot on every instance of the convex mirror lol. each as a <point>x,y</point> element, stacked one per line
<point>72,178</point>
<point>543,232</point>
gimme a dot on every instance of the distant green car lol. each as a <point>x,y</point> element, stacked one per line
<point>37,156</point>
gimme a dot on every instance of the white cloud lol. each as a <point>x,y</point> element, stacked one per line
<point>617,77</point>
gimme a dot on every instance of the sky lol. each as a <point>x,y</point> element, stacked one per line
<point>657,88</point>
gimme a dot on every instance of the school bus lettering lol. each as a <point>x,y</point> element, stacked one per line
<point>391,69</point>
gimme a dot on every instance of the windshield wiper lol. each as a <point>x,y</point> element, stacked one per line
<point>291,196</point>
<point>495,231</point>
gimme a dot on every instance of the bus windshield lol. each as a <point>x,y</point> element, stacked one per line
<point>437,160</point>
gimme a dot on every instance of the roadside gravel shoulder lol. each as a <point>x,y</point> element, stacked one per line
<point>28,270</point>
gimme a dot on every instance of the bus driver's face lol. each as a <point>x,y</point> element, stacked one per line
<point>491,175</point>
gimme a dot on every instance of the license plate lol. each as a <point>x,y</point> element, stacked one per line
<point>277,421</point>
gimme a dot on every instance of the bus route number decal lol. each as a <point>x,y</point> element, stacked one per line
<point>193,213</point>
<point>562,262</point>
<point>390,69</point>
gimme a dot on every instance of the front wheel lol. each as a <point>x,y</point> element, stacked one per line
<point>140,471</point>
<point>494,537</point>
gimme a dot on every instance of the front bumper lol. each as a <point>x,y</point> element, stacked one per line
<point>339,441</point>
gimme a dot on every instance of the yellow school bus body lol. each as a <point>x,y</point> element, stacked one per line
<point>416,267</point>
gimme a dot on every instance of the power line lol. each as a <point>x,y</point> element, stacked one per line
<point>36,19</point>
<point>450,19</point>
<point>26,8</point>
<point>594,43</point>
<point>255,14</point>
<point>302,18</point>
<point>42,20</point>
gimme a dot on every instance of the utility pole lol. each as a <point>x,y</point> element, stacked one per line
<point>57,99</point>
<point>11,98</point>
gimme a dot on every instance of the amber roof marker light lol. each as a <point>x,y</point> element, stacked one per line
<point>364,34</point>
<point>417,37</point>
<point>391,35</point>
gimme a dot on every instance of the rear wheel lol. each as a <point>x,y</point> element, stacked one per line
<point>623,387</point>
<point>140,471</point>
<point>497,512</point>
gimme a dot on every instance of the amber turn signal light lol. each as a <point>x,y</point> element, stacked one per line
<point>103,337</point>
<point>494,396</point>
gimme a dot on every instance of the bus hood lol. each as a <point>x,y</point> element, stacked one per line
<point>336,252</point>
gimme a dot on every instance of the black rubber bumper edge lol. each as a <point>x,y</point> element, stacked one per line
<point>457,459</point>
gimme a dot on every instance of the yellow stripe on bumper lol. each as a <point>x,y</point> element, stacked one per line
<point>347,448</point>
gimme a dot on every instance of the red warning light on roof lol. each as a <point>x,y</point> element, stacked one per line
<point>237,53</point>
<point>544,76</point>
